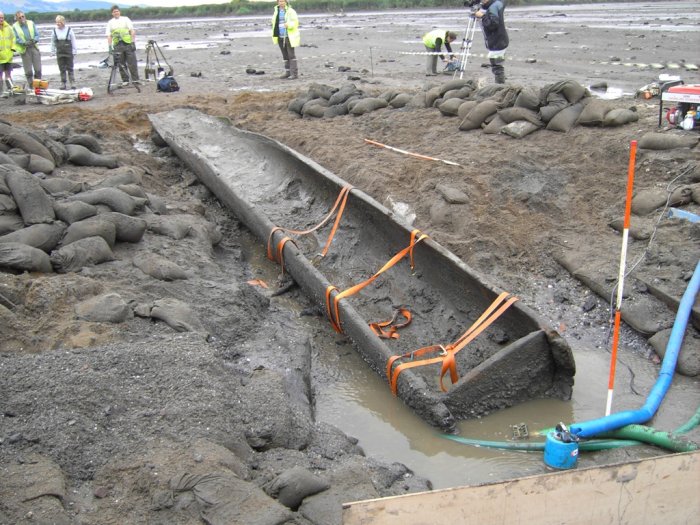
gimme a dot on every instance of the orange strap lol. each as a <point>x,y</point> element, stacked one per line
<point>341,200</point>
<point>333,313</point>
<point>392,331</point>
<point>447,353</point>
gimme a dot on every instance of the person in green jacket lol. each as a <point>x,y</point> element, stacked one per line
<point>27,45</point>
<point>433,42</point>
<point>285,33</point>
<point>7,44</point>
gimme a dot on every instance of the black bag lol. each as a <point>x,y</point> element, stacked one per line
<point>168,85</point>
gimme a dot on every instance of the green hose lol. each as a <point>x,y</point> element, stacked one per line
<point>626,436</point>
<point>589,446</point>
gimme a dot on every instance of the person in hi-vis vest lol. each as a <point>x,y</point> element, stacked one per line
<point>285,33</point>
<point>121,39</point>
<point>27,45</point>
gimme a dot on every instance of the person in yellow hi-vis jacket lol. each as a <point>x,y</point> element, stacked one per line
<point>7,44</point>
<point>285,33</point>
<point>27,45</point>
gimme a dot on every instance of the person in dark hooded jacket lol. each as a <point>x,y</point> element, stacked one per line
<point>495,35</point>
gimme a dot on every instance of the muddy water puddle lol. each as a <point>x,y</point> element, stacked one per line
<point>352,397</point>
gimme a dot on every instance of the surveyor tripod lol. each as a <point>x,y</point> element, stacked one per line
<point>466,48</point>
<point>156,64</point>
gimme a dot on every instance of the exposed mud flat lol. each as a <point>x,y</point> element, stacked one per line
<point>101,421</point>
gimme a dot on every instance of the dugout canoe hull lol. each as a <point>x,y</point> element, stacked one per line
<point>268,185</point>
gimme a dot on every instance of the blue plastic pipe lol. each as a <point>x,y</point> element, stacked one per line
<point>612,422</point>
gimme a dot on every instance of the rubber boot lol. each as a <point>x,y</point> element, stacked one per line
<point>500,79</point>
<point>293,69</point>
<point>71,77</point>
<point>286,73</point>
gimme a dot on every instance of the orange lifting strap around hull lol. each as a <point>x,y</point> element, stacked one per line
<point>339,205</point>
<point>389,329</point>
<point>333,312</point>
<point>447,353</point>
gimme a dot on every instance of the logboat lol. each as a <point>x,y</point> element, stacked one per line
<point>450,344</point>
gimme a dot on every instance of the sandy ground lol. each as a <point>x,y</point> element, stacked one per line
<point>100,419</point>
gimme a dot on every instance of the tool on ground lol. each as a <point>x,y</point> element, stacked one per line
<point>156,64</point>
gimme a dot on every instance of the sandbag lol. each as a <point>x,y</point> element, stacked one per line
<point>92,227</point>
<point>45,237</point>
<point>7,203</point>
<point>488,91</point>
<point>5,158</point>
<point>554,104</point>
<point>509,115</point>
<point>134,190</point>
<point>59,185</point>
<point>120,176</point>
<point>335,111</point>
<point>115,199</point>
<point>298,103</point>
<point>343,94</point>
<point>57,149</point>
<point>450,107</point>
<point>87,141</point>
<point>478,114</point>
<point>314,107</point>
<point>463,93</point>
<point>293,485</point>
<point>664,141</point>
<point>465,108</point>
<point>400,100</point>
<point>178,315</point>
<point>106,308</point>
<point>23,258</point>
<point>529,97</point>
<point>27,143</point>
<point>81,253</point>
<point>81,156</point>
<point>10,222</point>
<point>128,229</point>
<point>519,129</point>
<point>159,267</point>
<point>315,110</point>
<point>431,96</point>
<point>33,203</point>
<point>321,91</point>
<point>566,118</point>
<point>418,101</point>
<point>594,113</point>
<point>619,117</point>
<point>367,105</point>
<point>495,126</point>
<point>70,212</point>
<point>457,83</point>
<point>38,164</point>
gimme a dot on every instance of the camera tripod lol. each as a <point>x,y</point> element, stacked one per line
<point>466,48</point>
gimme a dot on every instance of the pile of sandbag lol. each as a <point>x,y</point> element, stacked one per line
<point>497,108</point>
<point>50,223</point>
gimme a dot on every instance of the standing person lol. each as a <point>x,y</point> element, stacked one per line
<point>26,44</point>
<point>7,44</point>
<point>285,33</point>
<point>63,45</point>
<point>433,42</point>
<point>121,39</point>
<point>495,35</point>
